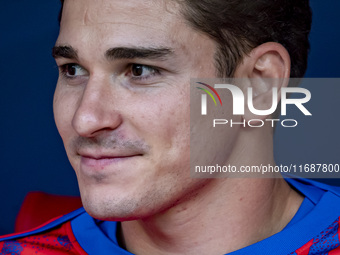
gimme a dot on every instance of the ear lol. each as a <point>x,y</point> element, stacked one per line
<point>266,67</point>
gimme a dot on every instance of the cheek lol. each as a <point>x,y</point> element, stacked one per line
<point>64,106</point>
<point>167,123</point>
<point>211,145</point>
<point>162,114</point>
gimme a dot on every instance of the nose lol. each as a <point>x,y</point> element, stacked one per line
<point>96,110</point>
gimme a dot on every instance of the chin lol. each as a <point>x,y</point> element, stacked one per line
<point>114,206</point>
<point>130,200</point>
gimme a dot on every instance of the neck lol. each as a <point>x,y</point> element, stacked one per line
<point>225,215</point>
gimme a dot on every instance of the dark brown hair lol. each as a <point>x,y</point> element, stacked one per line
<point>238,26</point>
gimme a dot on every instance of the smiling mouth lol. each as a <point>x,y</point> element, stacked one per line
<point>102,161</point>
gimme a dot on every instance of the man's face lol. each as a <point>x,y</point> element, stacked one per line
<point>122,102</point>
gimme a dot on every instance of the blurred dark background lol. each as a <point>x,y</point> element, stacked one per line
<point>31,150</point>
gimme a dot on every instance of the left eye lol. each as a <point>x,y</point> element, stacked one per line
<point>142,71</point>
<point>73,70</point>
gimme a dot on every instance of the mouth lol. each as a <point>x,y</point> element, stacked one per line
<point>98,160</point>
<point>102,161</point>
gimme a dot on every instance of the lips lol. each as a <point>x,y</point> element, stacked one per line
<point>97,159</point>
<point>103,160</point>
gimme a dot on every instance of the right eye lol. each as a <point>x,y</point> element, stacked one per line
<point>72,71</point>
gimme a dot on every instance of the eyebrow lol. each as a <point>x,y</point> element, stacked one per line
<point>64,52</point>
<point>130,53</point>
<point>116,53</point>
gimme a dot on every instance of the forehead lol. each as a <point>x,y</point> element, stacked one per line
<point>136,20</point>
<point>102,11</point>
